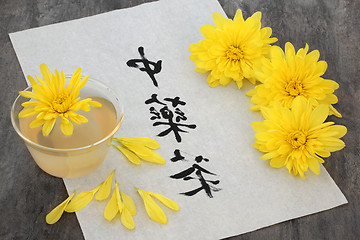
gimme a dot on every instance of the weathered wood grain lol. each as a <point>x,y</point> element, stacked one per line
<point>331,26</point>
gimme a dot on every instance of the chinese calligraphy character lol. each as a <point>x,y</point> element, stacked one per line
<point>151,68</point>
<point>172,116</point>
<point>207,185</point>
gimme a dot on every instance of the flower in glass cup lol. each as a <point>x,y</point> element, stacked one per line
<point>51,100</point>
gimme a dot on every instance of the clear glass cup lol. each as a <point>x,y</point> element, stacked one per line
<point>74,161</point>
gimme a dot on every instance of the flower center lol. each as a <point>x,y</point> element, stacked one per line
<point>297,139</point>
<point>60,104</point>
<point>294,88</point>
<point>234,53</point>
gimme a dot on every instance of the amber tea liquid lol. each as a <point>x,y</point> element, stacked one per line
<point>61,158</point>
<point>101,121</point>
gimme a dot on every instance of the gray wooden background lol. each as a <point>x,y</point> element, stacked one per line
<point>332,26</point>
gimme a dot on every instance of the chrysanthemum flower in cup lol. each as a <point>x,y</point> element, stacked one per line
<point>68,123</point>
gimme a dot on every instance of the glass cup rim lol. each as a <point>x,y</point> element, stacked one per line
<point>69,149</point>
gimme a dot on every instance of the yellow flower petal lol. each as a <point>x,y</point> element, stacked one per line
<point>76,88</point>
<point>128,203</point>
<point>336,131</point>
<point>48,126</point>
<point>319,115</point>
<point>32,81</point>
<point>123,204</point>
<point>138,149</point>
<point>36,123</point>
<point>219,20</point>
<point>66,126</point>
<point>95,104</point>
<point>27,112</point>
<point>154,158</point>
<point>314,166</point>
<point>278,162</point>
<point>74,78</point>
<point>166,201</point>
<point>105,188</point>
<point>152,208</point>
<point>50,115</point>
<point>111,208</point>
<point>83,105</point>
<point>62,81</point>
<point>45,72</point>
<point>77,118</point>
<point>27,94</point>
<point>57,212</point>
<point>30,103</point>
<point>128,154</point>
<point>119,201</point>
<point>238,16</point>
<point>144,153</point>
<point>148,142</point>
<point>127,220</point>
<point>81,200</point>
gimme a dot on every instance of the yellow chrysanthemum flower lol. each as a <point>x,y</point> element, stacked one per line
<point>123,204</point>
<point>153,209</point>
<point>53,100</point>
<point>287,75</point>
<point>136,148</point>
<point>297,137</point>
<point>231,49</point>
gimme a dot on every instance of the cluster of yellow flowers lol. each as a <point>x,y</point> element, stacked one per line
<point>292,96</point>
<point>118,203</point>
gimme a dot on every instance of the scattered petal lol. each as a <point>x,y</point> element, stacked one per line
<point>120,203</point>
<point>111,208</point>
<point>136,148</point>
<point>105,188</point>
<point>166,201</point>
<point>128,203</point>
<point>127,220</point>
<point>57,212</point>
<point>128,154</point>
<point>152,208</point>
<point>81,200</point>
<point>148,142</point>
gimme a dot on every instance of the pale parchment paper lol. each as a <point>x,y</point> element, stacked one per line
<point>253,195</point>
